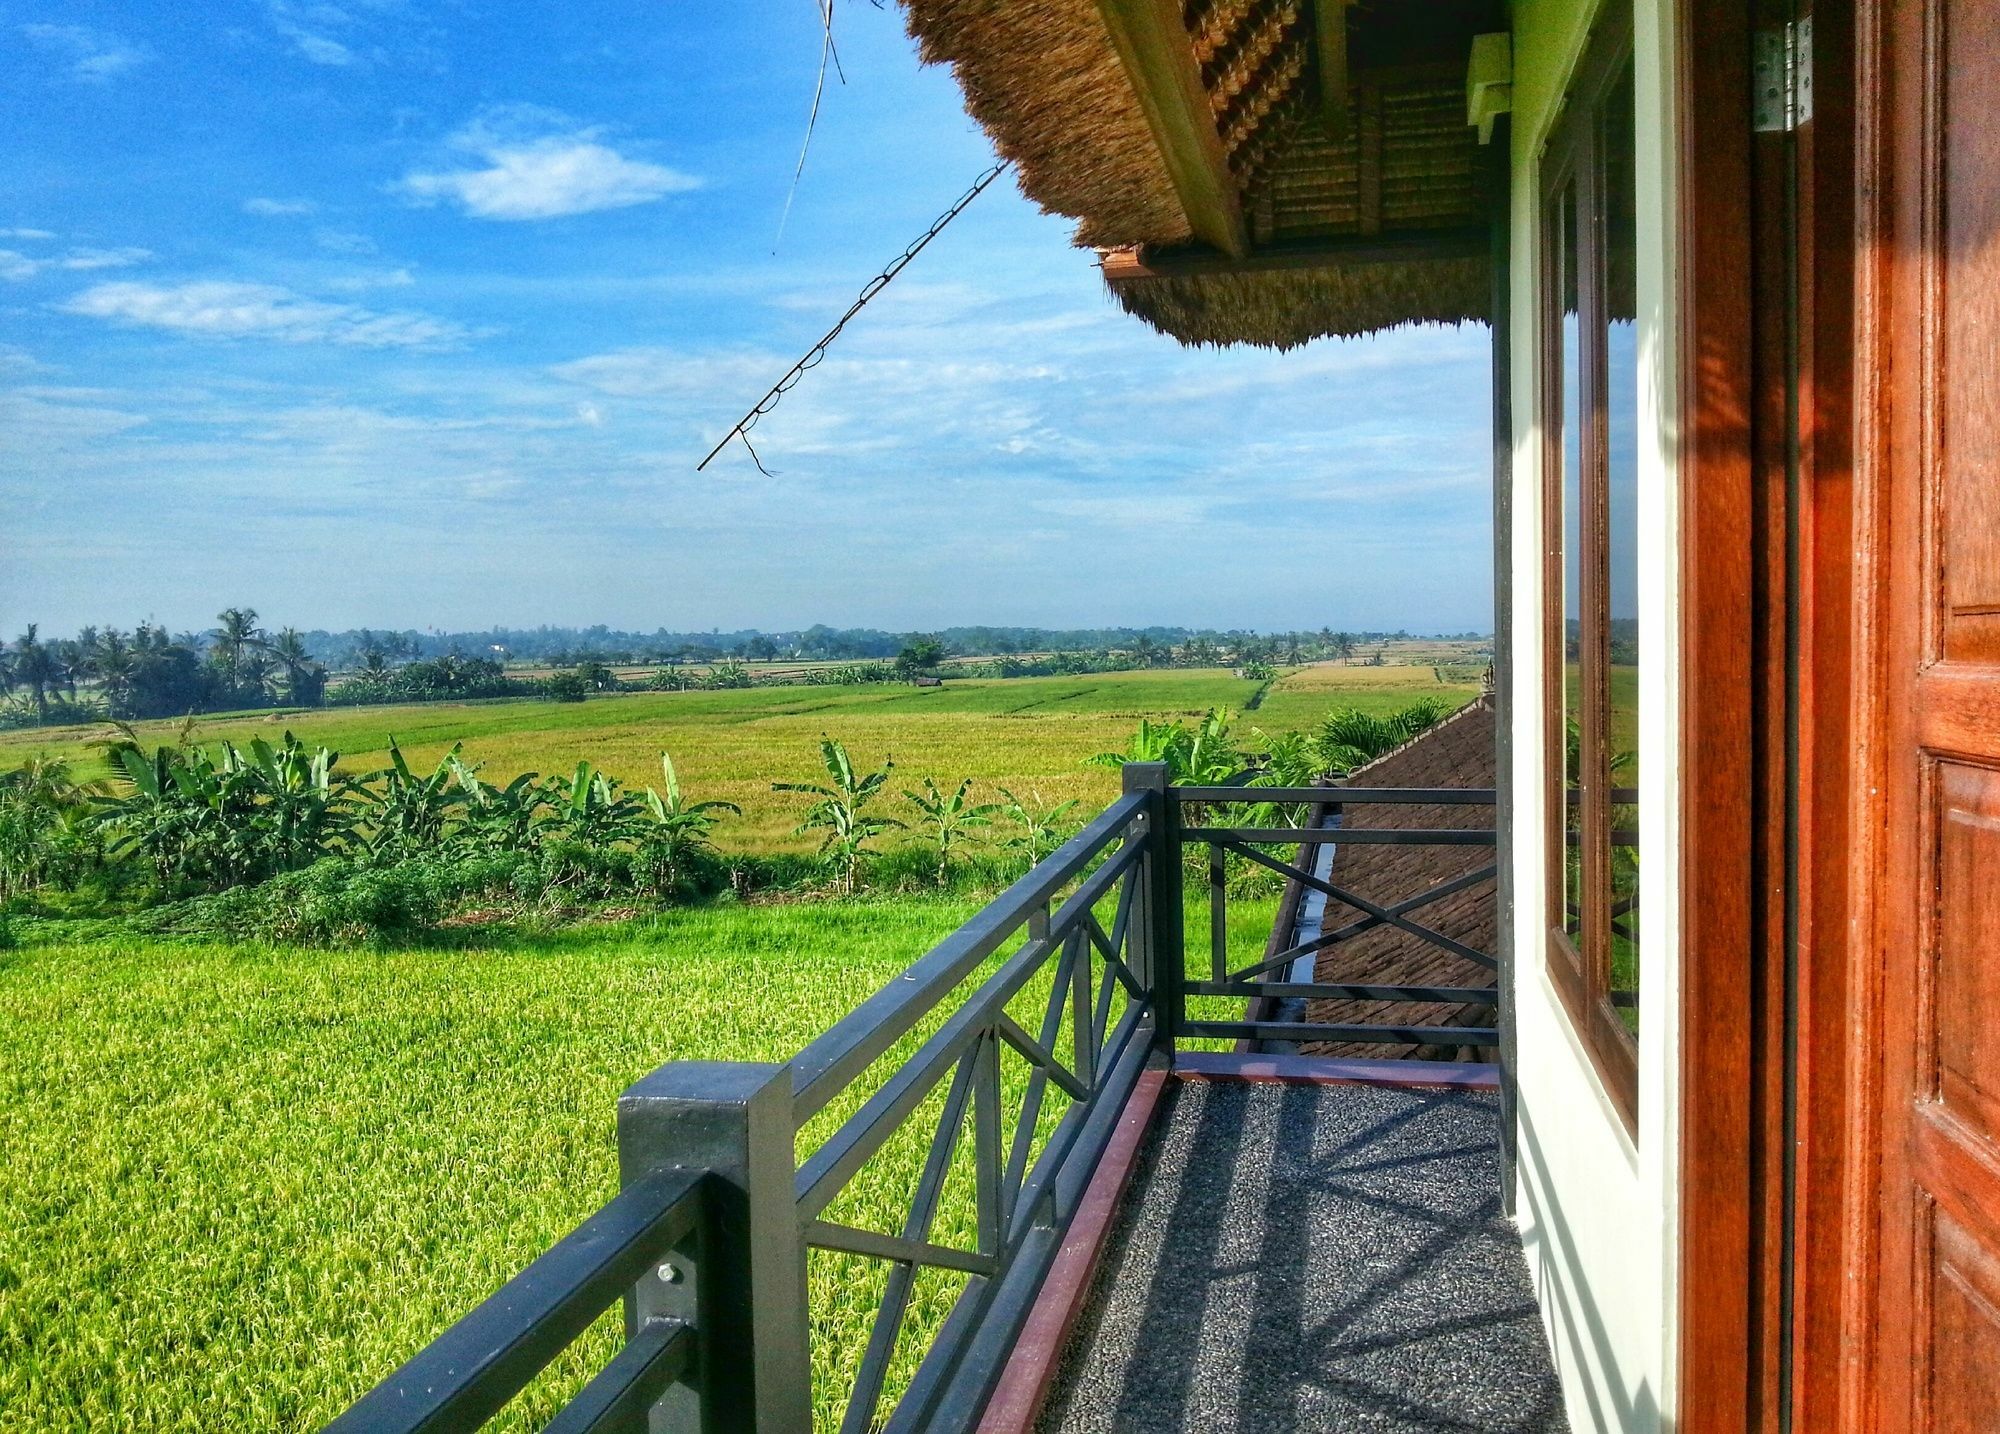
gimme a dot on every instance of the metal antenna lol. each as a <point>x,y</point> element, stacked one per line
<point>813,355</point>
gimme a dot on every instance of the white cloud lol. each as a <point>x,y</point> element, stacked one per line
<point>221,310</point>
<point>542,176</point>
<point>16,266</point>
<point>94,55</point>
<point>305,26</point>
<point>278,208</point>
<point>103,258</point>
<point>317,48</point>
<point>35,234</point>
<point>342,241</point>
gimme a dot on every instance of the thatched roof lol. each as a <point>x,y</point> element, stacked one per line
<point>1349,290</point>
<point>1234,130</point>
<point>1044,79</point>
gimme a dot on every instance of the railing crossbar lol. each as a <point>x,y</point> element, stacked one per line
<point>1367,923</point>
<point>1346,991</point>
<point>1345,836</point>
<point>824,1068</point>
<point>1316,1031</point>
<point>827,1171</point>
<point>917,1224</point>
<point>1363,904</point>
<point>618,1398</point>
<point>470,1372</point>
<point>1338,796</point>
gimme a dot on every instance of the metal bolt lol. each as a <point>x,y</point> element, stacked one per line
<point>670,1273</point>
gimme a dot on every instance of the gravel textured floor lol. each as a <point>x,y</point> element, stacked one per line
<point>1313,1257</point>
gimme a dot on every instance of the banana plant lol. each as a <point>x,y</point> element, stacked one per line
<point>1038,829</point>
<point>837,811</point>
<point>301,808</point>
<point>412,812</point>
<point>503,819</point>
<point>949,821</point>
<point>678,835</point>
<point>591,809</point>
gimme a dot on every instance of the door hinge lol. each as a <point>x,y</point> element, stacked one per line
<point>1781,76</point>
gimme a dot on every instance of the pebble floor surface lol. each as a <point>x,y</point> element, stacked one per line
<point>1312,1257</point>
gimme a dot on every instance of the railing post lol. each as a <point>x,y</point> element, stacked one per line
<point>743,1283</point>
<point>1165,966</point>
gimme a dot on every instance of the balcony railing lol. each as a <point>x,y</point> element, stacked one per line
<point>1077,978</point>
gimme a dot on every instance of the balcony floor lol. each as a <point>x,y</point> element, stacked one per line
<point>1300,1256</point>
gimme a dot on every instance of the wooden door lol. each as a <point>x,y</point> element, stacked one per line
<point>1936,459</point>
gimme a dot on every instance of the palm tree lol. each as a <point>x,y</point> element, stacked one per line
<point>35,667</point>
<point>117,667</point>
<point>305,679</point>
<point>234,639</point>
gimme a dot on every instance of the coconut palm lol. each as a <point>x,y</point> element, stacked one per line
<point>305,679</point>
<point>34,666</point>
<point>233,639</point>
<point>837,810</point>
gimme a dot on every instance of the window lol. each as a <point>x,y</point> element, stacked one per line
<point>1590,410</point>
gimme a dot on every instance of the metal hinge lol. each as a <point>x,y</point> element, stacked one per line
<point>1781,76</point>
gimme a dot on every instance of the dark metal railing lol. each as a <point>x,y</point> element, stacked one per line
<point>1077,980</point>
<point>1254,981</point>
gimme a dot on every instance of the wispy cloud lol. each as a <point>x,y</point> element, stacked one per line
<point>278,208</point>
<point>30,234</point>
<point>344,241</point>
<point>538,166</point>
<point>16,266</point>
<point>305,28</point>
<point>221,310</point>
<point>93,55</point>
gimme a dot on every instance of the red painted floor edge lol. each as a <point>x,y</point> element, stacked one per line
<point>1031,1368</point>
<point>1324,1070</point>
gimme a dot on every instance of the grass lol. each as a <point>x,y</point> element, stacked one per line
<point>244,1184</point>
<point>1030,734</point>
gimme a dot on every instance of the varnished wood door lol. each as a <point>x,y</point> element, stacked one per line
<point>1935,451</point>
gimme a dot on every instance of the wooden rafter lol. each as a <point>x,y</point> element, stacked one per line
<point>1153,45</point>
<point>1330,29</point>
<point>1150,263</point>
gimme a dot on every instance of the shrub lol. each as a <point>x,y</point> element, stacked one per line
<point>567,687</point>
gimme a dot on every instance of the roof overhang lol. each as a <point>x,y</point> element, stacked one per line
<point>1257,171</point>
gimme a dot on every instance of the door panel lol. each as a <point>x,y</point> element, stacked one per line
<point>1962,1391</point>
<point>1965,1018</point>
<point>1938,1294</point>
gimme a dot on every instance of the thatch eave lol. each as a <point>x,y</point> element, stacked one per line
<point>1284,298</point>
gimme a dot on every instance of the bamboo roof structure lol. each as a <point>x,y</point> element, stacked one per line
<point>1253,171</point>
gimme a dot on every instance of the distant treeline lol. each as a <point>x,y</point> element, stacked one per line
<point>148,672</point>
<point>561,646</point>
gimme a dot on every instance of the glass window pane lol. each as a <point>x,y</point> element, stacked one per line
<point>1571,380</point>
<point>1619,248</point>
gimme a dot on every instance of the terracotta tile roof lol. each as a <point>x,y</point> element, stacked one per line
<point>1457,752</point>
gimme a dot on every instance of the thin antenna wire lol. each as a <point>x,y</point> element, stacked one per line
<point>818,351</point>
<point>826,52</point>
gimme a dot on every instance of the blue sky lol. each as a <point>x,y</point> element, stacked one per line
<point>389,313</point>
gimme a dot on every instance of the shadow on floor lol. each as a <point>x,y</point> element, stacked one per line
<point>1312,1257</point>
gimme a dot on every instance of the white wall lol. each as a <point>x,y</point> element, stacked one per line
<point>1598,1209</point>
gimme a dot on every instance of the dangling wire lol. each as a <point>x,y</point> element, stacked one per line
<point>826,52</point>
<point>818,351</point>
